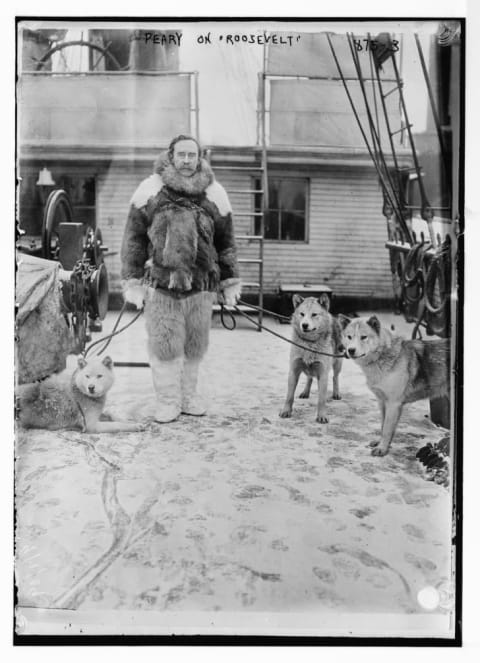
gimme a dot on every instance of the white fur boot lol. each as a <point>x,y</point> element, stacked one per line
<point>167,382</point>
<point>192,403</point>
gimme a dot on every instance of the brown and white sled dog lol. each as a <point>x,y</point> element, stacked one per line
<point>398,370</point>
<point>316,330</point>
<point>73,401</point>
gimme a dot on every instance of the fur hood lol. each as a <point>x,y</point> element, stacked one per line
<point>192,186</point>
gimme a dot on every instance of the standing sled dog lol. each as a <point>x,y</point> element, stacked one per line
<point>318,332</point>
<point>398,371</point>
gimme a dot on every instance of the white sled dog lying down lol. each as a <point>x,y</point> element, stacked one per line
<point>71,402</point>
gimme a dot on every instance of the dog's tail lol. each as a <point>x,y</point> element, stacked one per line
<point>26,393</point>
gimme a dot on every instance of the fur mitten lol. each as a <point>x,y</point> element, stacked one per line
<point>230,291</point>
<point>134,291</point>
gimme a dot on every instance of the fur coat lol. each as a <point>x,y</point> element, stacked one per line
<point>181,229</point>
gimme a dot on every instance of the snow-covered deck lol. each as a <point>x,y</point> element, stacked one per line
<point>239,515</point>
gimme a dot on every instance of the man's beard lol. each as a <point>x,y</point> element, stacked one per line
<point>191,182</point>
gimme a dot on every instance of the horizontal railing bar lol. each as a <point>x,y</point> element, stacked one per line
<point>245,191</point>
<point>328,78</point>
<point>405,247</point>
<point>241,168</point>
<point>110,73</point>
<point>430,206</point>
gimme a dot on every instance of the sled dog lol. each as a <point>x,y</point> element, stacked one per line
<point>316,330</point>
<point>398,370</point>
<point>73,401</point>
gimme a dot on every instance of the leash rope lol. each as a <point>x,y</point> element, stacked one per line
<point>122,310</point>
<point>223,311</point>
<point>302,347</point>
<point>114,332</point>
<point>287,318</point>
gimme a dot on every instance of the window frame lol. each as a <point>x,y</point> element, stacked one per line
<point>33,207</point>
<point>80,207</point>
<point>287,175</point>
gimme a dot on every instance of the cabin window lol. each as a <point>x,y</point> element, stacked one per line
<point>285,218</point>
<point>81,191</point>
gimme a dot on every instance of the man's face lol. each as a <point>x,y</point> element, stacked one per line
<point>185,157</point>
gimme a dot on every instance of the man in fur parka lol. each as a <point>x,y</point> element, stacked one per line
<point>178,252</point>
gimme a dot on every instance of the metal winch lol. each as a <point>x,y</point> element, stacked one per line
<point>79,250</point>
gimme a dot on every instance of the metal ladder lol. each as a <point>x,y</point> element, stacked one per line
<point>255,213</point>
<point>392,190</point>
<point>392,182</point>
<point>426,209</point>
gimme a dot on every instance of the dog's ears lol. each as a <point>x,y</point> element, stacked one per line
<point>297,300</point>
<point>374,323</point>
<point>108,362</point>
<point>82,362</point>
<point>324,301</point>
<point>343,320</point>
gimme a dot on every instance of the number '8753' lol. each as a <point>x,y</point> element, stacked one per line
<point>373,44</point>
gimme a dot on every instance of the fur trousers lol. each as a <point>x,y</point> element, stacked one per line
<point>178,327</point>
